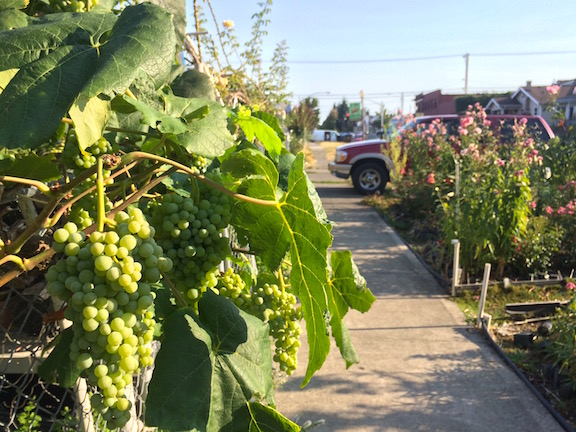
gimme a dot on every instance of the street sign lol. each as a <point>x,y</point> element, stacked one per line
<point>355,111</point>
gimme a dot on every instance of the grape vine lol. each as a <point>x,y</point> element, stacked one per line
<point>175,221</point>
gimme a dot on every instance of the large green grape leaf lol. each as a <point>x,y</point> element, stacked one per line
<point>208,367</point>
<point>290,224</point>
<point>58,367</point>
<point>142,39</point>
<point>34,167</point>
<point>256,127</point>
<point>154,118</point>
<point>12,4</point>
<point>207,132</point>
<point>38,96</point>
<point>255,417</point>
<point>177,9</point>
<point>347,290</point>
<point>22,46</point>
<point>11,19</point>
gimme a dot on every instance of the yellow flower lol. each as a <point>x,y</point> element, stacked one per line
<point>228,24</point>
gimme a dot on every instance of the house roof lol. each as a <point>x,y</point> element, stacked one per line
<point>507,102</point>
<point>567,91</point>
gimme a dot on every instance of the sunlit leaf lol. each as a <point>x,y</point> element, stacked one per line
<point>289,225</point>
<point>90,116</point>
<point>209,366</point>
<point>142,40</point>
<point>347,290</point>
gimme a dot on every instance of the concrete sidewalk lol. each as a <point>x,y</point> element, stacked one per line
<point>422,368</point>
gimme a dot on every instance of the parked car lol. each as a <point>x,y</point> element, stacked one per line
<point>346,136</point>
<point>369,169</point>
<point>324,135</point>
<point>365,163</point>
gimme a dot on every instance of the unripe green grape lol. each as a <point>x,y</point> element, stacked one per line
<point>116,325</point>
<point>101,370</point>
<point>61,235</point>
<point>70,227</point>
<point>125,350</point>
<point>103,263</point>
<point>90,324</point>
<point>111,237</point>
<point>111,250</point>
<point>129,364</point>
<point>72,249</point>
<point>104,382</point>
<point>123,404</point>
<point>84,361</point>
<point>115,338</point>
<point>90,312</point>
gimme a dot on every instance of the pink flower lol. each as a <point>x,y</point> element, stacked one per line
<point>466,121</point>
<point>549,210</point>
<point>500,162</point>
<point>553,89</point>
<point>533,205</point>
<point>430,179</point>
<point>570,285</point>
<point>561,210</point>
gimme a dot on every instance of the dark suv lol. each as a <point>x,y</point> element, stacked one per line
<point>369,167</point>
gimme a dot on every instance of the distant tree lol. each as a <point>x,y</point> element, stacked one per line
<point>342,123</point>
<point>331,121</point>
<point>382,120</point>
<point>302,120</point>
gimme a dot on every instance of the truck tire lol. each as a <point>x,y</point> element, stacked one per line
<point>369,178</point>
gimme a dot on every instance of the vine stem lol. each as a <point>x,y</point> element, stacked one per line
<point>142,155</point>
<point>101,206</point>
<point>28,264</point>
<point>179,299</point>
<point>38,184</point>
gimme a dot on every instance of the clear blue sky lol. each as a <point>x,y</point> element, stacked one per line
<point>374,38</point>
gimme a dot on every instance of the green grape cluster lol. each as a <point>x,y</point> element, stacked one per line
<point>72,5</point>
<point>84,211</point>
<point>273,305</point>
<point>72,157</point>
<point>106,281</point>
<point>199,164</point>
<point>190,233</point>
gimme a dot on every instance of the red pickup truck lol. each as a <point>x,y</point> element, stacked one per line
<point>369,168</point>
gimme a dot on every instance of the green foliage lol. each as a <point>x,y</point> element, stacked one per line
<point>119,141</point>
<point>563,346</point>
<point>301,121</point>
<point>249,83</point>
<point>28,419</point>
<point>536,250</point>
<point>222,350</point>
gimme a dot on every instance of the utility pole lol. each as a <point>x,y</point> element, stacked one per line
<point>467,58</point>
<point>362,115</point>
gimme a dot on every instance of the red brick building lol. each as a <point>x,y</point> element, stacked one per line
<point>435,103</point>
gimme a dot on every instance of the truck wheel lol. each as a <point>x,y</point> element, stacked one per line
<point>369,178</point>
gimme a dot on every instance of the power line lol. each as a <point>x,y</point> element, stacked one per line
<point>408,59</point>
